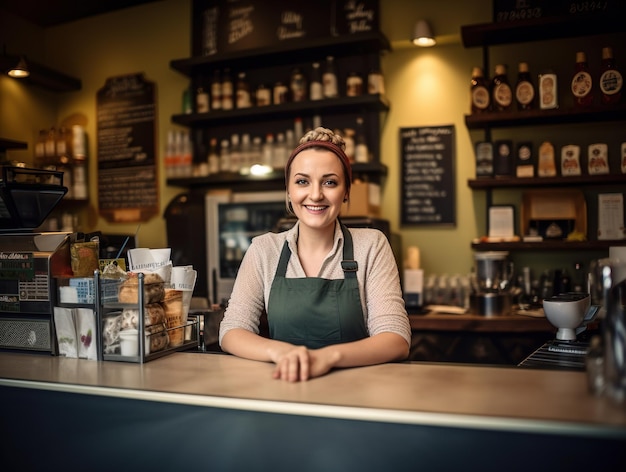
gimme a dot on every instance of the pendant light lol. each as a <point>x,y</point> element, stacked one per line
<point>423,34</point>
<point>20,71</point>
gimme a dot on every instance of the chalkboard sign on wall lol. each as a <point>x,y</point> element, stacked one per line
<point>127,171</point>
<point>227,26</point>
<point>427,193</point>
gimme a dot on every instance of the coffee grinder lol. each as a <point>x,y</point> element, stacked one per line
<point>491,284</point>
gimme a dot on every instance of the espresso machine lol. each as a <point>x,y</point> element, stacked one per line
<point>29,260</point>
<point>491,284</point>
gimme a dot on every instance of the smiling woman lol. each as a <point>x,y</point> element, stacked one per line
<point>332,294</point>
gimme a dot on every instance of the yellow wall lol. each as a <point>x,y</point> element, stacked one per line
<point>425,87</point>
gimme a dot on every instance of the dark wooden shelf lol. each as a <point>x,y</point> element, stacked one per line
<point>508,182</point>
<point>11,144</point>
<point>549,245</point>
<point>293,52</point>
<point>595,114</point>
<point>538,29</point>
<point>369,102</point>
<point>272,181</point>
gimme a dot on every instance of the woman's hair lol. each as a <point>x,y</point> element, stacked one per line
<point>323,139</point>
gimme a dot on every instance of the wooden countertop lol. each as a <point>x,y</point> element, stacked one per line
<point>512,323</point>
<point>434,394</point>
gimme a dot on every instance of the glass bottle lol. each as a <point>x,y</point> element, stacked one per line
<point>329,79</point>
<point>40,148</point>
<point>524,88</point>
<point>361,151</point>
<point>582,83</point>
<point>316,90</point>
<point>213,159</point>
<point>202,98</point>
<point>227,91</point>
<point>479,92</point>
<point>268,150</point>
<point>501,90</point>
<point>235,153</point>
<point>354,85</point>
<point>224,155</point>
<point>50,147</point>
<point>243,91</point>
<point>298,86</point>
<point>216,91</point>
<point>611,80</point>
<point>79,154</point>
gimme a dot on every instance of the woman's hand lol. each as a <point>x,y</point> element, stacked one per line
<point>301,364</point>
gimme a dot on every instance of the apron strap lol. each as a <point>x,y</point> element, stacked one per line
<point>349,265</point>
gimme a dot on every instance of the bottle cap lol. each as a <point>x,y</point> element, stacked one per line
<point>477,72</point>
<point>607,53</point>
<point>523,66</point>
<point>500,69</point>
<point>581,57</point>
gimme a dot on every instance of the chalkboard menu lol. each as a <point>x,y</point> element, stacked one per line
<point>428,182</point>
<point>127,170</point>
<point>226,26</point>
<point>516,10</point>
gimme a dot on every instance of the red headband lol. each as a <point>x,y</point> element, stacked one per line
<point>345,162</point>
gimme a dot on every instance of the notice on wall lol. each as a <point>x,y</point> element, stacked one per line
<point>427,191</point>
<point>127,167</point>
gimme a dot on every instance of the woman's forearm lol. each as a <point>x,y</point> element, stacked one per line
<point>377,349</point>
<point>244,343</point>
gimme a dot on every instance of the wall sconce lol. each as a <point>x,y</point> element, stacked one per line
<point>20,71</point>
<point>423,34</point>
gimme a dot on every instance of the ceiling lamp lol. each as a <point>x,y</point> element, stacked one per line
<point>423,34</point>
<point>20,71</point>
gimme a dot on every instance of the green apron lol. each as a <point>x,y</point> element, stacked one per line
<point>316,312</point>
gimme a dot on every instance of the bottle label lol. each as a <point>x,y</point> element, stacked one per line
<point>375,83</point>
<point>480,97</point>
<point>330,85</point>
<point>354,86</point>
<point>243,99</point>
<point>611,82</point>
<point>525,93</point>
<point>548,91</point>
<point>502,95</point>
<point>581,84</point>
<point>202,102</point>
<point>316,92</point>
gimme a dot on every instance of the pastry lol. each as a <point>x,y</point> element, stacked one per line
<point>153,287</point>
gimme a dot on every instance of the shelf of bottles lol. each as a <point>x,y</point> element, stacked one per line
<point>64,149</point>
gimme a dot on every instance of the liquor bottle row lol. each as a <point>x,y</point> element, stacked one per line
<point>64,149</point>
<point>225,92</point>
<point>500,159</point>
<point>245,154</point>
<point>585,86</point>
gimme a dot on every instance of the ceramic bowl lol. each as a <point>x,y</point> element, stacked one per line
<point>566,313</point>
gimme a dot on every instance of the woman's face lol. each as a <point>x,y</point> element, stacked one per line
<point>316,187</point>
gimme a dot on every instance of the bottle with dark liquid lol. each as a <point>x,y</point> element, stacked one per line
<point>582,83</point>
<point>524,89</point>
<point>501,90</point>
<point>610,79</point>
<point>479,92</point>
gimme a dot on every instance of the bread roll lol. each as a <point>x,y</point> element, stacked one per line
<point>153,287</point>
